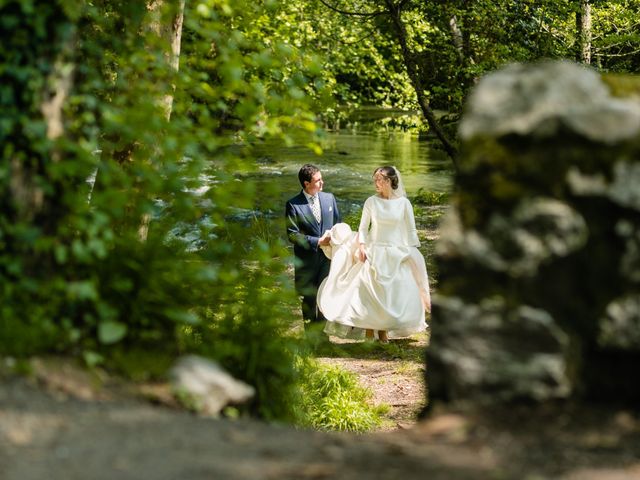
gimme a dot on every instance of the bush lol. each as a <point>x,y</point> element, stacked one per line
<point>428,198</point>
<point>100,269</point>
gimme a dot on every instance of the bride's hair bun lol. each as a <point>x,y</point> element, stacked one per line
<point>390,173</point>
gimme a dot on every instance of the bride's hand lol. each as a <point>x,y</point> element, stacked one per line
<point>362,254</point>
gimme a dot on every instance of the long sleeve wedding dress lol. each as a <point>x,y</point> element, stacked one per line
<point>390,289</point>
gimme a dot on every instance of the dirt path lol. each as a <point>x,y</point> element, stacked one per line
<point>393,373</point>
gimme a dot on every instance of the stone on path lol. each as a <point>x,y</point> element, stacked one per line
<point>207,385</point>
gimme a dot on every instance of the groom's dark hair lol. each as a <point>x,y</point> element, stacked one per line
<point>306,173</point>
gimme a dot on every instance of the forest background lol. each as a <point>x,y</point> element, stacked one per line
<point>125,124</point>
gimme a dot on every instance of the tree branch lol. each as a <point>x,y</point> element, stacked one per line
<point>625,54</point>
<point>413,71</point>
<point>345,12</point>
<point>368,34</point>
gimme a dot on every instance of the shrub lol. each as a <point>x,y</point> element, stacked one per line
<point>98,194</point>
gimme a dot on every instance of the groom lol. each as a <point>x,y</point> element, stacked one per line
<point>310,215</point>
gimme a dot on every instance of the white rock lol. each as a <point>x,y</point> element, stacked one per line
<point>208,384</point>
<point>536,99</point>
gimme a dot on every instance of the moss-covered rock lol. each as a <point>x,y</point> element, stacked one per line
<point>539,257</point>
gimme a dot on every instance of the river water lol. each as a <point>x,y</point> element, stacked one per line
<point>347,164</point>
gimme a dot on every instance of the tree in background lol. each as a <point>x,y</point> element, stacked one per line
<point>583,32</point>
<point>448,45</point>
<point>615,35</point>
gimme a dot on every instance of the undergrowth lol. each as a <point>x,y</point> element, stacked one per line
<point>332,399</point>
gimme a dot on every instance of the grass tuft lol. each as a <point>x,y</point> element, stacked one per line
<point>332,399</point>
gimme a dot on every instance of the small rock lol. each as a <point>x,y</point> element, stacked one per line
<point>207,386</point>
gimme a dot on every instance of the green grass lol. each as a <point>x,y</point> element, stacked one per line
<point>405,349</point>
<point>332,399</point>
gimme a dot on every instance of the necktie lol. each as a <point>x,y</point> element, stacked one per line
<point>315,207</point>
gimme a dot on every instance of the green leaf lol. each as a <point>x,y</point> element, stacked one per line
<point>180,316</point>
<point>111,332</point>
<point>92,358</point>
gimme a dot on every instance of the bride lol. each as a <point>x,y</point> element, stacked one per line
<point>378,278</point>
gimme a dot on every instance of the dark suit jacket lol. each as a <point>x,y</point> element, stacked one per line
<point>304,231</point>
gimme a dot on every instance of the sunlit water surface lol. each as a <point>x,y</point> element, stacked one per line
<point>347,165</point>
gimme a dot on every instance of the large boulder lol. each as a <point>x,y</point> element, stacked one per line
<point>539,256</point>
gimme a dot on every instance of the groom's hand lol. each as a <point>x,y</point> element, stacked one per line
<point>325,239</point>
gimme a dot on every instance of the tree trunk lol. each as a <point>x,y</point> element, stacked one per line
<point>456,35</point>
<point>60,82</point>
<point>583,28</point>
<point>412,67</point>
<point>170,33</point>
<point>461,41</point>
<point>166,22</point>
<point>164,19</point>
<point>27,196</point>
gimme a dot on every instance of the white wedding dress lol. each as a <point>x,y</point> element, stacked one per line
<point>390,290</point>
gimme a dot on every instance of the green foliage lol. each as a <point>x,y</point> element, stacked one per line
<point>353,220</point>
<point>140,363</point>
<point>124,223</point>
<point>616,35</point>
<point>333,400</point>
<point>425,197</point>
<point>246,332</point>
<point>148,260</point>
<point>364,65</point>
<point>248,80</point>
<point>354,63</point>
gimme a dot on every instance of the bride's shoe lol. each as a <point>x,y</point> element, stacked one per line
<point>382,336</point>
